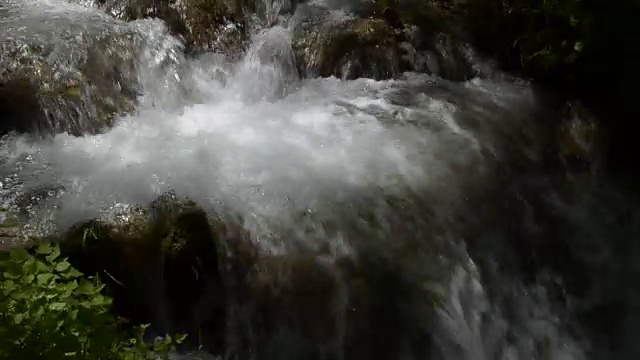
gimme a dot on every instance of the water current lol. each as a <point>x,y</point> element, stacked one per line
<point>416,169</point>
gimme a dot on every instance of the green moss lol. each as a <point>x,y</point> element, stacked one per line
<point>9,222</point>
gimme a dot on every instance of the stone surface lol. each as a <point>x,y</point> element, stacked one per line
<point>161,266</point>
<point>72,73</point>
<point>349,48</point>
<point>204,25</point>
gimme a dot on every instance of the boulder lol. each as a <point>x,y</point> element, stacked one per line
<point>315,305</point>
<point>447,56</point>
<point>73,73</point>
<point>581,139</point>
<point>161,265</point>
<point>183,270</point>
<point>204,25</point>
<point>383,42</point>
<point>440,42</point>
<point>37,96</point>
<point>348,48</point>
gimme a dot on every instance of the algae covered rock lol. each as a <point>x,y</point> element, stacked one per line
<point>35,96</point>
<point>161,266</point>
<point>440,39</point>
<point>211,25</point>
<point>184,270</point>
<point>72,73</point>
<point>327,45</point>
<point>308,304</point>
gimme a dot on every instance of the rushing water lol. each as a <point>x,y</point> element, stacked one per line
<point>414,168</point>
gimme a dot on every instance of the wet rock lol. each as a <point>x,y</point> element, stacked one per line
<point>580,139</point>
<point>47,88</point>
<point>183,270</point>
<point>312,305</point>
<point>438,45</point>
<point>8,237</point>
<point>440,42</point>
<point>296,306</point>
<point>384,42</point>
<point>446,56</point>
<point>160,265</point>
<point>326,45</point>
<point>203,24</point>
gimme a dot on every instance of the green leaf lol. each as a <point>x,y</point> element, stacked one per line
<point>28,279</point>
<point>29,265</point>
<point>100,300</point>
<point>167,341</point>
<point>19,253</point>
<point>44,278</point>
<point>13,272</point>
<point>38,314</point>
<point>68,288</point>
<point>44,249</point>
<point>573,20</point>
<point>73,273</point>
<point>86,287</point>
<point>55,253</point>
<point>63,266</point>
<point>8,285</point>
<point>42,267</point>
<point>180,338</point>
<point>18,319</point>
<point>58,306</point>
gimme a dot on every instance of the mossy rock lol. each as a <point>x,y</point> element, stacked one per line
<point>37,95</point>
<point>183,270</point>
<point>209,25</point>
<point>387,40</point>
<point>581,138</point>
<point>350,49</point>
<point>161,266</point>
<point>435,33</point>
<point>312,305</point>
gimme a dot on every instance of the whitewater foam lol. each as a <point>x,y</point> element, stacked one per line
<point>263,143</point>
<point>255,140</point>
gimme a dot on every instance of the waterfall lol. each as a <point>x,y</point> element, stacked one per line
<point>418,182</point>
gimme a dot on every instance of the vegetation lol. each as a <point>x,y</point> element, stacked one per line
<point>49,310</point>
<point>586,49</point>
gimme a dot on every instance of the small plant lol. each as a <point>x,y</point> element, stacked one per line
<point>49,310</point>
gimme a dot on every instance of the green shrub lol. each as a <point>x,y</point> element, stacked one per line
<point>49,310</point>
<point>542,38</point>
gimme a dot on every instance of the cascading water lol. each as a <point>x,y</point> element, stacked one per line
<point>392,173</point>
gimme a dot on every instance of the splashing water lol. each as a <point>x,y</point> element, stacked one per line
<point>289,154</point>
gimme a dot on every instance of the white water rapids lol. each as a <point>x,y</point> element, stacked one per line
<point>254,140</point>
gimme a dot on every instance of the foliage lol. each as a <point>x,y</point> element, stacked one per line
<point>558,41</point>
<point>586,49</point>
<point>49,310</point>
<point>541,38</point>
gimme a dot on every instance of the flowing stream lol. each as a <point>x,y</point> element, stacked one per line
<point>443,181</point>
